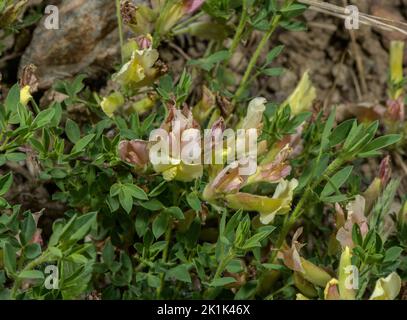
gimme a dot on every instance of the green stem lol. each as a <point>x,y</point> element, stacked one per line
<point>289,222</point>
<point>164,259</point>
<point>252,63</point>
<point>239,30</point>
<point>120,24</point>
<point>184,25</point>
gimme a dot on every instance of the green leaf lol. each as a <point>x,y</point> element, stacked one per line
<point>336,181</point>
<point>152,205</point>
<point>5,183</point>
<point>43,118</point>
<point>340,133</point>
<point>135,191</point>
<point>160,225</point>
<point>335,198</point>
<point>175,212</point>
<point>16,156</point>
<point>327,130</point>
<point>126,200</point>
<point>357,237</point>
<point>82,225</point>
<point>72,131</point>
<point>392,254</point>
<point>274,54</point>
<point>381,142</point>
<point>82,143</point>
<point>272,72</point>
<point>115,189</point>
<point>221,282</point>
<point>180,273</point>
<point>31,274</point>
<point>255,240</point>
<point>108,253</point>
<point>194,202</point>
<point>28,228</point>
<point>9,258</point>
<point>208,63</point>
<point>13,99</point>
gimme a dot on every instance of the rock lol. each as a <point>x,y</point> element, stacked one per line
<point>87,42</point>
<point>392,13</point>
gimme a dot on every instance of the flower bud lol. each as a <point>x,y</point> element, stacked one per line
<point>331,291</point>
<point>395,110</point>
<point>144,41</point>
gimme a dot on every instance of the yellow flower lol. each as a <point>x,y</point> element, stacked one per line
<point>303,96</point>
<point>25,95</point>
<point>111,103</point>
<point>396,65</point>
<point>180,172</point>
<point>387,288</point>
<point>300,296</point>
<point>144,105</point>
<point>139,71</point>
<point>268,207</point>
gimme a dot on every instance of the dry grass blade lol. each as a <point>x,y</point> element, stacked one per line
<point>366,19</point>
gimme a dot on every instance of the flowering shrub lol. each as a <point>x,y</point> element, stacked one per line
<point>304,224</point>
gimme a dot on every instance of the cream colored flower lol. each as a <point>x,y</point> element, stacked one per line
<point>387,288</point>
<point>176,123</point>
<point>139,71</point>
<point>345,275</point>
<point>268,207</point>
<point>254,117</point>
